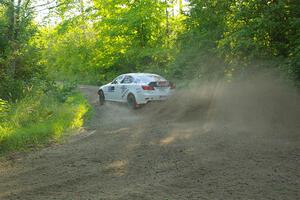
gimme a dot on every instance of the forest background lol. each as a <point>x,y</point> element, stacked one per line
<point>47,47</point>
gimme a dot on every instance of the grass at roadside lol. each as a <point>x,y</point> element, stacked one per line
<point>39,119</point>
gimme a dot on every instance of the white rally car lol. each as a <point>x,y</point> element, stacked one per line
<point>136,89</point>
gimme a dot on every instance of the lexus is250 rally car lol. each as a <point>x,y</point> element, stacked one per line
<point>136,89</point>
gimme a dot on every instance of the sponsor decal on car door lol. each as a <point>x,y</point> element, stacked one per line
<point>124,91</point>
<point>115,95</point>
<point>126,84</point>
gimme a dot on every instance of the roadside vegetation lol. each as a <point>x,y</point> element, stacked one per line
<point>43,44</point>
<point>41,117</point>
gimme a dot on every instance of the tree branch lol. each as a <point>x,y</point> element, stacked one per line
<point>42,5</point>
<point>52,7</point>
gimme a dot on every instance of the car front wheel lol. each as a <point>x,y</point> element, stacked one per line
<point>101,97</point>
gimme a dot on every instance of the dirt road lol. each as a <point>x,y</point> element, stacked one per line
<point>194,147</point>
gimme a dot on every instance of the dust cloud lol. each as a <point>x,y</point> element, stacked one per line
<point>261,105</point>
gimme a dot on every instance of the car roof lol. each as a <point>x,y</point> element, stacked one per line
<point>141,74</point>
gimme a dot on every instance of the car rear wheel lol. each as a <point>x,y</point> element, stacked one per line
<point>101,97</point>
<point>131,102</point>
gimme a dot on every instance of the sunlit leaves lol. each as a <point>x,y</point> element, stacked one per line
<point>115,36</point>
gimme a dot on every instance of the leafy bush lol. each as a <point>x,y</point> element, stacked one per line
<point>40,117</point>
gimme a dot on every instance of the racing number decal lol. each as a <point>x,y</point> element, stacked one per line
<point>124,91</point>
<point>123,88</point>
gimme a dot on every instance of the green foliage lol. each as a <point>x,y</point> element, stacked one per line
<point>198,45</point>
<point>4,108</point>
<point>111,38</point>
<point>233,38</point>
<point>19,58</point>
<point>33,110</point>
<point>40,117</point>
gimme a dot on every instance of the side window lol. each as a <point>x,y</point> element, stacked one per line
<point>114,81</point>
<point>128,79</point>
<point>118,80</point>
<point>137,80</point>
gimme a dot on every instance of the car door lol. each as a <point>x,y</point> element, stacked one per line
<point>114,88</point>
<point>109,90</point>
<point>123,87</point>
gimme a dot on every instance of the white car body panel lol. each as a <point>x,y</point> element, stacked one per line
<point>120,87</point>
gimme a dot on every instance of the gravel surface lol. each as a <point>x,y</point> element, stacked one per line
<point>206,145</point>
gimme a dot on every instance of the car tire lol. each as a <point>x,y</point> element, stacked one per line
<point>131,102</point>
<point>101,97</point>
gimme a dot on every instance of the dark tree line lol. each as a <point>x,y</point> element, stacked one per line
<point>232,37</point>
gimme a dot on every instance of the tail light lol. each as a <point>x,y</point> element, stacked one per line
<point>147,87</point>
<point>172,85</point>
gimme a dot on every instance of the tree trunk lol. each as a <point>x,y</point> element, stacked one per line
<point>11,20</point>
<point>13,33</point>
<point>17,20</point>
<point>11,36</point>
<point>167,23</point>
